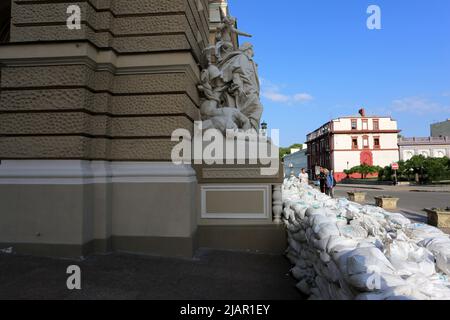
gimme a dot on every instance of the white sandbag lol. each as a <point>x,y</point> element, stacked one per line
<point>339,243</point>
<point>341,221</point>
<point>300,211</point>
<point>326,230</point>
<point>289,214</point>
<point>297,273</point>
<point>333,271</point>
<point>324,257</point>
<point>292,257</point>
<point>311,211</point>
<point>440,247</point>
<point>409,259</point>
<point>398,220</point>
<point>294,245</point>
<point>316,220</point>
<point>371,242</point>
<point>323,287</point>
<point>374,212</point>
<point>375,281</point>
<point>301,264</point>
<point>304,287</point>
<point>331,212</point>
<point>321,244</point>
<point>340,248</point>
<point>299,236</point>
<point>426,289</point>
<point>420,231</point>
<point>353,232</point>
<point>367,260</point>
<point>292,228</point>
<point>383,295</point>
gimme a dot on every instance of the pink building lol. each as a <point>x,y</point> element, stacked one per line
<point>347,142</point>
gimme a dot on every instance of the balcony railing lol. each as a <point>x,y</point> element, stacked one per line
<point>424,140</point>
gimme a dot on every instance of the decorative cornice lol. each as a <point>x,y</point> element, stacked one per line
<point>74,172</point>
<point>84,53</point>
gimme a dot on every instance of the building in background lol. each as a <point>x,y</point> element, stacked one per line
<point>441,129</point>
<point>427,146</point>
<point>347,142</point>
<point>294,162</point>
<point>436,146</point>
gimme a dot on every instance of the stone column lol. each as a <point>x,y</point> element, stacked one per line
<point>277,204</point>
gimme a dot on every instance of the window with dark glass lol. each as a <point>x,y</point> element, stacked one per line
<point>354,124</point>
<point>376,143</point>
<point>5,21</point>
<point>355,143</point>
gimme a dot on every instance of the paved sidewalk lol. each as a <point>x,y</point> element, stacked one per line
<point>211,275</point>
<point>427,188</point>
<point>411,203</point>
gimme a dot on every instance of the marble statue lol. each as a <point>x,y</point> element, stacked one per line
<point>230,88</point>
<point>213,115</point>
<point>224,36</point>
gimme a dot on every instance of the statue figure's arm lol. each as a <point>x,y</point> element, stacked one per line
<point>241,33</point>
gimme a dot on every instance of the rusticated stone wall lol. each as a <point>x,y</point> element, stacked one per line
<point>114,90</point>
<point>123,25</point>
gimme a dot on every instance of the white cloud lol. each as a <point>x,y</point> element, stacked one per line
<point>275,96</point>
<point>273,93</point>
<point>418,105</point>
<point>303,97</point>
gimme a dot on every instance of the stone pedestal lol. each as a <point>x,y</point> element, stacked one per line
<point>388,203</point>
<point>234,198</point>
<point>439,218</point>
<point>357,196</point>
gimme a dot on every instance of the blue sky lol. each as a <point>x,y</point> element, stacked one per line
<point>318,60</point>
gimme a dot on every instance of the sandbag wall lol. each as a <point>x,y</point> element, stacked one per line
<point>345,251</point>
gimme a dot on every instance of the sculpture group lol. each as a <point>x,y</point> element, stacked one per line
<point>230,86</point>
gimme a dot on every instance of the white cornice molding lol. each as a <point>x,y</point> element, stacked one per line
<point>68,172</point>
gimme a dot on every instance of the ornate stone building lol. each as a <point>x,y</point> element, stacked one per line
<point>85,137</point>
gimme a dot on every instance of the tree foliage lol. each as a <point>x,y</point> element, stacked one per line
<point>426,169</point>
<point>287,151</point>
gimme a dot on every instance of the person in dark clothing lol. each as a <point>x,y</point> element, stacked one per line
<point>323,180</point>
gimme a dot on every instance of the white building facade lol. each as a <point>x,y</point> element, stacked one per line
<point>347,142</point>
<point>434,147</point>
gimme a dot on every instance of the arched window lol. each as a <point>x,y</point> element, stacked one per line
<point>5,21</point>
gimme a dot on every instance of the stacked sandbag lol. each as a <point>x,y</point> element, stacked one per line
<point>343,251</point>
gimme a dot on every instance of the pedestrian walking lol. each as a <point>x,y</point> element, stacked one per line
<point>330,183</point>
<point>303,176</point>
<point>322,180</point>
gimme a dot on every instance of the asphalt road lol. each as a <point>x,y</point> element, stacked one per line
<point>210,275</point>
<point>411,203</point>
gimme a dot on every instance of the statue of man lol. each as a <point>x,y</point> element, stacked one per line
<point>213,114</point>
<point>224,36</point>
<point>241,72</point>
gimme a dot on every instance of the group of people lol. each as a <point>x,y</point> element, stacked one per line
<point>326,179</point>
<point>327,182</point>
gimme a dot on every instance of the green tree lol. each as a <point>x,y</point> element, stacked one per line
<point>427,169</point>
<point>286,151</point>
